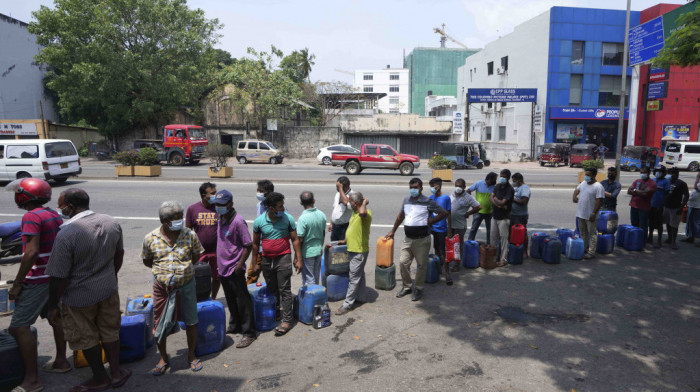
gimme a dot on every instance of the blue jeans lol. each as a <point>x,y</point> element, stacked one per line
<point>311,270</point>
<point>338,232</point>
<point>640,218</point>
<point>476,222</point>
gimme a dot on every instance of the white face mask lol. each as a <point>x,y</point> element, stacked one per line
<point>459,190</point>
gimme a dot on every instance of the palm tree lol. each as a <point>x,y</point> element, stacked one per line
<point>306,62</point>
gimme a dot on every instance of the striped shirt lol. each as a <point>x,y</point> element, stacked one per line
<point>45,223</point>
<point>84,254</point>
<point>275,235</point>
<point>172,266</point>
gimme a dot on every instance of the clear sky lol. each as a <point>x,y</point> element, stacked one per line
<point>360,34</point>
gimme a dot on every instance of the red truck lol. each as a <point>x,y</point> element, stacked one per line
<point>181,143</point>
<point>376,156</point>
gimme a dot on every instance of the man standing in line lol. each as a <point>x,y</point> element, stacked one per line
<point>415,214</point>
<point>502,200</point>
<point>341,210</point>
<point>463,206</point>
<point>357,240</point>
<point>693,211</point>
<point>273,231</point>
<point>201,217</point>
<point>311,230</point>
<point>441,229</point>
<point>656,214</point>
<point>612,189</point>
<point>483,189</point>
<point>673,205</point>
<point>86,257</point>
<point>589,195</point>
<point>265,187</point>
<point>521,197</point>
<point>233,248</point>
<point>30,289</point>
<point>642,190</point>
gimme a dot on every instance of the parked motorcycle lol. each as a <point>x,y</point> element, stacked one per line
<point>105,155</point>
<point>10,239</point>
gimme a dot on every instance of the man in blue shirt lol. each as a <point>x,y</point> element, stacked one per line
<point>612,189</point>
<point>656,216</point>
<point>442,228</point>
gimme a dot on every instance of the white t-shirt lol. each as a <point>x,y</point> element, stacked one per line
<point>588,193</point>
<point>341,213</point>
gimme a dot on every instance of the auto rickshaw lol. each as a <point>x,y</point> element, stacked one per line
<point>555,153</point>
<point>461,155</point>
<point>634,157</point>
<point>582,152</point>
<point>482,155</point>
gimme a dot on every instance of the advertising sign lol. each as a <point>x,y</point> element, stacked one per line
<point>537,119</point>
<point>646,40</point>
<point>569,131</point>
<point>576,113</point>
<point>15,129</point>
<point>676,132</point>
<point>657,90</point>
<point>271,124</point>
<point>653,106</point>
<point>458,123</point>
<point>658,74</point>
<point>476,95</point>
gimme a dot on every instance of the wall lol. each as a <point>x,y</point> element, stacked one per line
<point>406,123</point>
<point>80,136</point>
<point>303,142</point>
<point>526,48</point>
<point>380,84</point>
<point>21,85</point>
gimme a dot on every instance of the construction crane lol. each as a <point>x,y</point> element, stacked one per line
<point>444,37</point>
<point>344,71</point>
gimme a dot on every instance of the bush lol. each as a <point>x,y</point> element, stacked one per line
<point>83,151</point>
<point>438,162</point>
<point>593,163</point>
<point>127,158</point>
<point>148,157</point>
<point>219,154</point>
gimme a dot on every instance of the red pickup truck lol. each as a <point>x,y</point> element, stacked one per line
<point>376,156</point>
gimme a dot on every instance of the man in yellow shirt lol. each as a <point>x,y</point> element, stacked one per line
<point>357,240</point>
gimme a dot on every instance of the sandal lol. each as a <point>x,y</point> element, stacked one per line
<point>449,282</point>
<point>246,341</point>
<point>125,377</point>
<point>280,331</point>
<point>49,367</point>
<point>159,370</point>
<point>197,365</point>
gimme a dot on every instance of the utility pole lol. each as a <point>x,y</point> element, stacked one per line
<point>623,88</point>
<point>43,124</point>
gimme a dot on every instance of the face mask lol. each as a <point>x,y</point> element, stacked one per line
<point>177,225</point>
<point>502,180</point>
<point>414,192</point>
<point>660,175</point>
<point>459,190</point>
<point>433,190</point>
<point>588,178</point>
<point>611,178</point>
<point>260,196</point>
<point>65,215</point>
<point>644,176</point>
<point>279,214</point>
<point>221,210</point>
<point>212,199</point>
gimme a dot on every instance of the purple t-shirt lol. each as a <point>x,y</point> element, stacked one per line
<point>203,221</point>
<point>233,238</point>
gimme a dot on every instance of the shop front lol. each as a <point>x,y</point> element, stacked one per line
<point>583,125</point>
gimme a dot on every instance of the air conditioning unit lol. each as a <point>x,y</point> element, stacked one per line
<point>500,71</point>
<point>483,108</point>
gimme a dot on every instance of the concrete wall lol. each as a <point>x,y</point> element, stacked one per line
<point>403,123</point>
<point>394,102</point>
<point>303,142</point>
<point>78,135</point>
<point>527,51</point>
<point>21,86</point>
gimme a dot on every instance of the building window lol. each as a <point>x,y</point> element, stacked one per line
<point>368,89</point>
<point>501,134</point>
<point>393,110</point>
<point>394,76</point>
<point>488,133</point>
<point>575,86</point>
<point>394,101</point>
<point>489,105</point>
<point>393,89</point>
<point>504,63</point>
<point>609,90</point>
<point>577,49</point>
<point>613,53</point>
<point>489,68</point>
<point>368,76</point>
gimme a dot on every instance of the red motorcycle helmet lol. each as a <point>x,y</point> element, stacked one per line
<point>30,189</point>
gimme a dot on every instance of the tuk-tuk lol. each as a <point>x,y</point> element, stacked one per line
<point>634,157</point>
<point>582,152</point>
<point>482,155</point>
<point>461,155</point>
<point>555,153</point>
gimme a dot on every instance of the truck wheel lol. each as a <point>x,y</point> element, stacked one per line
<point>242,160</point>
<point>352,168</point>
<point>177,159</point>
<point>194,162</point>
<point>633,168</point>
<point>406,168</point>
<point>542,163</point>
<point>479,165</point>
<point>693,166</point>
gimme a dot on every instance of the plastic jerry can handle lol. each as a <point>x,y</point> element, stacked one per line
<point>259,284</point>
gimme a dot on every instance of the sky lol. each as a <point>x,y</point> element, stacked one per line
<point>359,34</point>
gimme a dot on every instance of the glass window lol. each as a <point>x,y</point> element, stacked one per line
<point>575,87</point>
<point>169,133</point>
<point>333,148</point>
<point>59,149</point>
<point>394,101</point>
<point>368,76</point>
<point>2,152</point>
<point>673,147</point>
<point>609,90</point>
<point>241,144</point>
<point>488,133</point>
<point>180,133</point>
<point>196,133</point>
<point>504,63</point>
<point>577,49</point>
<point>393,110</point>
<point>501,134</point>
<point>252,145</point>
<point>690,149</point>
<point>489,68</point>
<point>612,53</point>
<point>264,146</point>
<point>272,146</point>
<point>18,152</point>
<point>385,151</point>
<point>393,89</point>
<point>394,76</point>
<point>368,89</point>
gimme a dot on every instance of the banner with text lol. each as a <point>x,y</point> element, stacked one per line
<point>676,132</point>
<point>575,113</point>
<point>15,129</point>
<point>458,123</point>
<point>476,95</point>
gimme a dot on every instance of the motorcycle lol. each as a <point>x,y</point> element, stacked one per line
<point>105,155</point>
<point>10,239</point>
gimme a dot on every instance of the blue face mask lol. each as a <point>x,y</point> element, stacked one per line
<point>212,199</point>
<point>588,178</point>
<point>260,196</point>
<point>644,176</point>
<point>660,175</point>
<point>414,192</point>
<point>221,210</point>
<point>433,190</point>
<point>177,225</point>
<point>279,214</point>
<point>502,180</point>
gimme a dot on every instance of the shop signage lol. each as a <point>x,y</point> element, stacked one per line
<point>658,74</point>
<point>15,129</point>
<point>569,131</point>
<point>654,105</point>
<point>476,95</point>
<point>676,131</point>
<point>537,120</point>
<point>576,113</point>
<point>657,90</point>
<point>458,123</point>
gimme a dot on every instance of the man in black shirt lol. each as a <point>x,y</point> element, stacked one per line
<point>612,189</point>
<point>676,199</point>
<point>502,200</point>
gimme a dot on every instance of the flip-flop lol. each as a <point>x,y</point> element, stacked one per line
<point>159,370</point>
<point>123,380</point>
<point>280,331</point>
<point>50,369</point>
<point>449,282</point>
<point>197,365</point>
<point>83,388</point>
<point>21,389</point>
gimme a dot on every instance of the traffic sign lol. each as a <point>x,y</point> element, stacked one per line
<point>646,40</point>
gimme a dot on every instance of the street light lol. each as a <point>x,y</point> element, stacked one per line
<point>623,88</point>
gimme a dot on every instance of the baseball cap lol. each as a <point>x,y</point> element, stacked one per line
<point>223,197</point>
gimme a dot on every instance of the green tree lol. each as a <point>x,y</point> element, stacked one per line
<point>682,48</point>
<point>121,64</point>
<point>297,65</point>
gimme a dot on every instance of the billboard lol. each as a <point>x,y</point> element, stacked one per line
<point>458,123</point>
<point>569,131</point>
<point>15,129</point>
<point>577,113</point>
<point>675,132</point>
<point>476,95</point>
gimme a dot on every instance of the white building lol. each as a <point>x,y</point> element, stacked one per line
<point>391,81</point>
<point>442,107</point>
<point>21,85</point>
<point>516,60</point>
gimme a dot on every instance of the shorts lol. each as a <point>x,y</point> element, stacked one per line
<point>672,216</point>
<point>439,243</point>
<point>31,303</point>
<point>210,258</point>
<point>86,327</point>
<point>518,220</point>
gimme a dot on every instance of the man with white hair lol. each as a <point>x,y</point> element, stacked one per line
<point>170,251</point>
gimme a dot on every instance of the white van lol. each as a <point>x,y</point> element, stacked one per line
<point>258,151</point>
<point>48,159</point>
<point>683,155</point>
